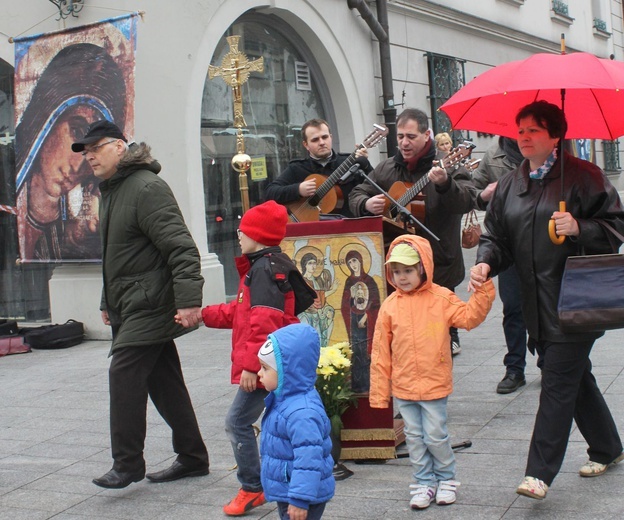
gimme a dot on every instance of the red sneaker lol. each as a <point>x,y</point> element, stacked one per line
<point>244,501</point>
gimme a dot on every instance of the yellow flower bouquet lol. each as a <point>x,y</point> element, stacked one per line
<point>333,382</point>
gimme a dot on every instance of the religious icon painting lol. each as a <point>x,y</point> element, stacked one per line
<point>64,81</point>
<point>584,149</point>
<point>343,260</point>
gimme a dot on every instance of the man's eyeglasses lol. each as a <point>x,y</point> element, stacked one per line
<point>94,149</point>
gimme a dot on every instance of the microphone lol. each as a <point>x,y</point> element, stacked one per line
<point>354,170</point>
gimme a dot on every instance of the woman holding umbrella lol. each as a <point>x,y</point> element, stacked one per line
<point>517,225</point>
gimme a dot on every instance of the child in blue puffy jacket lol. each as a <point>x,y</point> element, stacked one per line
<point>295,445</point>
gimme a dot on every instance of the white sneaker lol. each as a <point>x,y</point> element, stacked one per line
<point>446,493</point>
<point>422,496</point>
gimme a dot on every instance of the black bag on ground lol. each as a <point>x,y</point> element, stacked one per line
<point>54,336</point>
<point>8,328</point>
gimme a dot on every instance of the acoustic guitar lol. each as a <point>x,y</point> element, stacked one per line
<point>327,194</point>
<point>409,193</point>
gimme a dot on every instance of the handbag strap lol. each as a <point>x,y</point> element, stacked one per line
<point>610,228</point>
<point>472,215</point>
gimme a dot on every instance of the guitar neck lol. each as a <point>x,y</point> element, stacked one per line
<point>445,163</point>
<point>324,188</point>
<point>407,197</point>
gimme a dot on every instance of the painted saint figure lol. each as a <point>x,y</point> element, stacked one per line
<point>321,314</point>
<point>360,306</point>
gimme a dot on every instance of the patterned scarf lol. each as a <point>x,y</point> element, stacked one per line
<point>541,172</point>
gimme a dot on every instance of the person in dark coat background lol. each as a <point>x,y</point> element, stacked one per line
<point>500,159</point>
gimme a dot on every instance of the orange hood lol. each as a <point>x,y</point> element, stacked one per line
<point>422,247</point>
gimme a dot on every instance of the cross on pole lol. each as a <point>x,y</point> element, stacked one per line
<point>235,70</point>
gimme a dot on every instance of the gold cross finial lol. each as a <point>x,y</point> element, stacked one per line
<point>235,69</point>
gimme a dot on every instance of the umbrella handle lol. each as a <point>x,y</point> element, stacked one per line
<point>554,238</point>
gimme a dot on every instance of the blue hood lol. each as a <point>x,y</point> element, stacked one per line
<point>297,349</point>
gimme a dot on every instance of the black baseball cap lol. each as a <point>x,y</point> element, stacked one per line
<point>97,131</point>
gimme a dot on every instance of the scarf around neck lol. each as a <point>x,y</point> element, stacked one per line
<point>543,170</point>
<point>412,162</point>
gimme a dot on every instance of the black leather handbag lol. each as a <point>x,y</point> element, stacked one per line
<point>592,292</point>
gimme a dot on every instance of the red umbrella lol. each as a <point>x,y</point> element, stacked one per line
<point>590,91</point>
<point>593,87</point>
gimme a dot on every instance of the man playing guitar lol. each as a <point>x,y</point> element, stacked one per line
<point>447,196</point>
<point>292,185</point>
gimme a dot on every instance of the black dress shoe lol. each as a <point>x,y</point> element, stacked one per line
<point>118,479</point>
<point>176,471</point>
<point>510,383</point>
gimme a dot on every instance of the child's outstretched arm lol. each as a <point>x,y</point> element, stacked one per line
<point>220,316</point>
<point>467,315</point>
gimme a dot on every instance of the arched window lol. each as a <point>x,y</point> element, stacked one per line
<point>276,103</point>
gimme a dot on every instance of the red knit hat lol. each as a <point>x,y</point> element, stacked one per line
<point>265,223</point>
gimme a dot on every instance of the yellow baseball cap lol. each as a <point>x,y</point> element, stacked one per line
<point>404,254</point>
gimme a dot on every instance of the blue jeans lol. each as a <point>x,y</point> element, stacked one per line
<point>315,512</point>
<point>244,411</point>
<point>427,439</point>
<point>513,321</point>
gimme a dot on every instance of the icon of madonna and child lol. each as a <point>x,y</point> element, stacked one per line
<point>348,298</point>
<point>57,193</point>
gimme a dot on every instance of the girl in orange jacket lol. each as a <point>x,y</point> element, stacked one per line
<point>411,360</point>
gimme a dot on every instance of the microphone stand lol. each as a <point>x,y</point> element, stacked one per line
<point>405,214</point>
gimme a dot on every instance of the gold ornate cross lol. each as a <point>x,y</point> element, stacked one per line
<point>235,69</point>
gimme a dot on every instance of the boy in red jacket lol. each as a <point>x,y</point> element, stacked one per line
<point>271,293</point>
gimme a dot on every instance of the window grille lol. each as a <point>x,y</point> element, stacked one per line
<point>446,76</point>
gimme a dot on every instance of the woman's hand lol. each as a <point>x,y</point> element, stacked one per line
<point>478,276</point>
<point>565,224</point>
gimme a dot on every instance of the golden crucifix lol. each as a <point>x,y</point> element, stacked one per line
<point>235,69</point>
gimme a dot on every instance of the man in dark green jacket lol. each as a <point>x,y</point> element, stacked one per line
<point>151,270</point>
